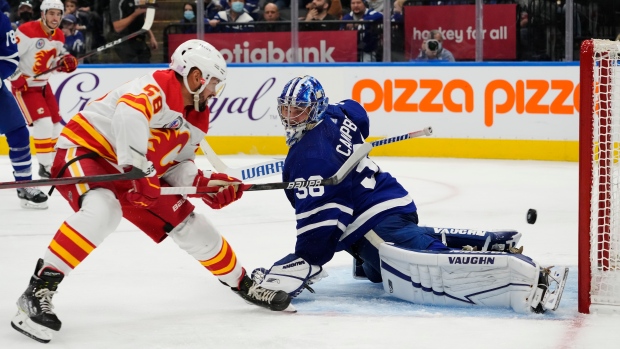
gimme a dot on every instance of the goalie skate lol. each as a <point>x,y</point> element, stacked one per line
<point>32,198</point>
<point>556,281</point>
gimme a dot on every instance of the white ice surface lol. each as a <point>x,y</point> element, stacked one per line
<point>132,293</point>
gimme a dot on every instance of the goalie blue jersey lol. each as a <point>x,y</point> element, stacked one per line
<point>331,218</point>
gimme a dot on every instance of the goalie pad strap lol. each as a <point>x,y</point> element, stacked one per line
<point>459,278</point>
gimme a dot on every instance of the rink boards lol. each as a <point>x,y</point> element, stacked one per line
<point>477,110</point>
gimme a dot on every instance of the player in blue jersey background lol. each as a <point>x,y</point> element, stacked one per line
<point>12,122</point>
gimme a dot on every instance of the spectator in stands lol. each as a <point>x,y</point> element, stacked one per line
<point>369,36</point>
<point>398,11</point>
<point>433,50</point>
<point>128,18</point>
<point>236,14</point>
<point>74,39</point>
<point>189,18</point>
<point>318,17</point>
<point>398,32</point>
<point>253,9</point>
<point>71,8</point>
<point>212,7</point>
<point>88,16</point>
<point>271,14</point>
<point>376,5</point>
<point>25,13</point>
<point>335,8</point>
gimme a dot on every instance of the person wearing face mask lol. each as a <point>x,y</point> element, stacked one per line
<point>24,13</point>
<point>189,18</point>
<point>236,14</point>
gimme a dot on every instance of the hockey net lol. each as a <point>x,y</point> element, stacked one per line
<point>599,177</point>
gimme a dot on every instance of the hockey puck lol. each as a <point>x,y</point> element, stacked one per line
<point>531,216</point>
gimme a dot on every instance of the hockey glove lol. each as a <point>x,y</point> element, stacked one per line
<point>67,63</point>
<point>19,84</point>
<point>230,189</point>
<point>146,190</point>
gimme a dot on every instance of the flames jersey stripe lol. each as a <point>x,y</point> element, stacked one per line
<point>82,133</point>
<point>223,262</point>
<point>140,102</point>
<point>70,246</point>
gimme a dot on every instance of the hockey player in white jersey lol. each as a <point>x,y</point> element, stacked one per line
<point>371,216</point>
<point>41,49</point>
<point>154,123</point>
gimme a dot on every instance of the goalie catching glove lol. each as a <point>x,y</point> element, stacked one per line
<point>67,63</point>
<point>230,189</point>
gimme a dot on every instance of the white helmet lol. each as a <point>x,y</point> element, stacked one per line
<point>52,4</point>
<point>202,55</point>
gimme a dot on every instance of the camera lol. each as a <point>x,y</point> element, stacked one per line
<point>433,45</point>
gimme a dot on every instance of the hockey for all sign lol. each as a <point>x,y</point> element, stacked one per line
<point>314,47</point>
<point>457,24</point>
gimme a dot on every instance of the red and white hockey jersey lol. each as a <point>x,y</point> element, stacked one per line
<point>147,114</point>
<point>38,52</point>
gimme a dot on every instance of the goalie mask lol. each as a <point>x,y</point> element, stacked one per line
<point>202,55</point>
<point>301,107</point>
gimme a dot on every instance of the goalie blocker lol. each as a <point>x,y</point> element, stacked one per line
<point>462,278</point>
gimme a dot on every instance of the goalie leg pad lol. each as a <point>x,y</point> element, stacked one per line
<point>483,240</point>
<point>458,278</point>
<point>291,274</point>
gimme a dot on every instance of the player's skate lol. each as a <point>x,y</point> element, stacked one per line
<point>44,172</point>
<point>252,293</point>
<point>35,317</point>
<point>550,288</point>
<point>32,198</point>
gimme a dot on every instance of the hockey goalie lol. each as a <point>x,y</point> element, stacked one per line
<point>372,217</point>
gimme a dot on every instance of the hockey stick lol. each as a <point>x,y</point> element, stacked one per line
<point>340,175</point>
<point>252,172</point>
<point>148,22</point>
<point>135,173</point>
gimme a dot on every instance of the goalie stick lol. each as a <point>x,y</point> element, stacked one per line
<point>340,175</point>
<point>148,22</point>
<point>252,172</point>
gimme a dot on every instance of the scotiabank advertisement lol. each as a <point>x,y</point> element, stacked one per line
<point>457,23</point>
<point>275,47</point>
<point>488,101</point>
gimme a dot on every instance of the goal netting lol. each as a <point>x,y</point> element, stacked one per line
<point>599,177</point>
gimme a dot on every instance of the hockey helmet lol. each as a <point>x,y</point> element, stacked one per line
<point>202,55</point>
<point>52,5</point>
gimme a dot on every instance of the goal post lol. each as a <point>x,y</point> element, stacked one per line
<point>599,177</point>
